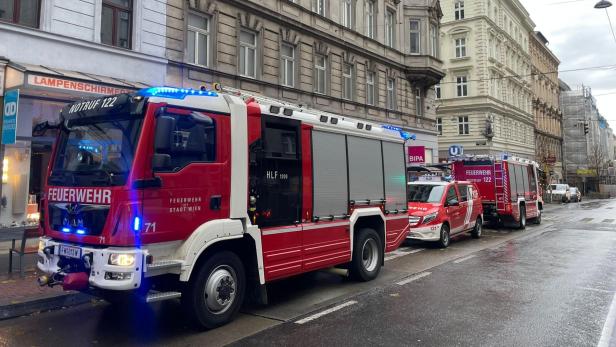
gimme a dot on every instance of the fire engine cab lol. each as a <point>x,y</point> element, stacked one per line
<point>439,210</point>
<point>508,187</point>
<point>207,196</point>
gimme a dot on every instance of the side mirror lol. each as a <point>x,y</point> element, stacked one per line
<point>162,137</point>
<point>161,161</point>
<point>453,202</point>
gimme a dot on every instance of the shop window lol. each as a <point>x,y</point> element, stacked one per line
<point>22,12</point>
<point>116,23</point>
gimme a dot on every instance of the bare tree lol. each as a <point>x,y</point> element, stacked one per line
<point>597,159</point>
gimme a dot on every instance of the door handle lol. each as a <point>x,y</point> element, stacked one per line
<point>215,202</point>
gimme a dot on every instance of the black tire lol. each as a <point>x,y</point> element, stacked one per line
<point>538,218</point>
<point>478,229</point>
<point>445,237</point>
<point>367,256</point>
<point>222,272</point>
<point>522,221</point>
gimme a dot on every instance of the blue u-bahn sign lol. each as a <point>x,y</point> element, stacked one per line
<point>455,150</point>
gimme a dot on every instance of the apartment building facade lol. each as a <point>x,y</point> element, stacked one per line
<point>371,59</point>
<point>546,107</point>
<point>53,52</point>
<point>484,102</point>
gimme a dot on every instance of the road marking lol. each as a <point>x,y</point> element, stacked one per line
<point>458,261</point>
<point>608,327</point>
<point>400,253</point>
<point>326,312</point>
<point>597,290</point>
<point>413,278</point>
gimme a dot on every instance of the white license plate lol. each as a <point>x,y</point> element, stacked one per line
<point>71,252</point>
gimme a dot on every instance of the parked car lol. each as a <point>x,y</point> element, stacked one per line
<point>575,195</point>
<point>559,192</point>
<point>439,210</point>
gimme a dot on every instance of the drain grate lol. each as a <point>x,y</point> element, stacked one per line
<point>608,221</point>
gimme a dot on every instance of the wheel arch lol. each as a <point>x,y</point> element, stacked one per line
<point>369,218</point>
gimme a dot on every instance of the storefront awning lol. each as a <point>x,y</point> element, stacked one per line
<point>38,80</point>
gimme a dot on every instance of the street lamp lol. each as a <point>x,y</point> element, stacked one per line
<point>603,4</point>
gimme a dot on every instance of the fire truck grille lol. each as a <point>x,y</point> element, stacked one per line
<point>77,218</point>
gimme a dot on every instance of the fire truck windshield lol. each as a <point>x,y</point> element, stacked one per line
<point>96,151</point>
<point>425,193</point>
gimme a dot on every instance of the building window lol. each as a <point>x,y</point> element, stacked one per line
<point>463,125</point>
<point>418,102</point>
<point>347,81</point>
<point>462,85</point>
<point>437,90</point>
<point>370,18</point>
<point>198,39</point>
<point>320,66</point>
<point>116,23</point>
<point>248,54</point>
<point>22,12</point>
<point>370,92</point>
<point>319,7</point>
<point>459,10</point>
<point>391,93</point>
<point>389,28</point>
<point>460,45</point>
<point>348,13</point>
<point>434,40</point>
<point>287,56</point>
<point>415,45</point>
<point>439,126</point>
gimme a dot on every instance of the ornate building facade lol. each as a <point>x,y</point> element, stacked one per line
<point>372,59</point>
<point>485,98</point>
<point>546,108</point>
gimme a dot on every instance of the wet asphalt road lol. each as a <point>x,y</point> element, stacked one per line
<point>551,285</point>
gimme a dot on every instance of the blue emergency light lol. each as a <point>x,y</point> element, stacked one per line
<point>136,224</point>
<point>403,134</point>
<point>174,93</point>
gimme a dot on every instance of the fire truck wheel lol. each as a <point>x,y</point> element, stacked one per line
<point>367,255</point>
<point>522,222</point>
<point>444,241</point>
<point>216,292</point>
<point>476,232</point>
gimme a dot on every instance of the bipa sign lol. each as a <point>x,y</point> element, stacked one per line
<point>416,154</point>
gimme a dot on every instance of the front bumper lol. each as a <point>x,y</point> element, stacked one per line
<point>101,273</point>
<point>426,233</point>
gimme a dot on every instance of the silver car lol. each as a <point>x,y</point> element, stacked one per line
<point>575,195</point>
<point>559,192</point>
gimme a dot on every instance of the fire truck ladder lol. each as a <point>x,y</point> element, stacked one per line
<point>499,184</point>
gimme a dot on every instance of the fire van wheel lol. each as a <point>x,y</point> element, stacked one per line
<point>215,295</point>
<point>367,255</point>
<point>476,232</point>
<point>522,222</point>
<point>445,237</point>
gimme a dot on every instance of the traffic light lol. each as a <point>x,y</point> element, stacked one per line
<point>586,129</point>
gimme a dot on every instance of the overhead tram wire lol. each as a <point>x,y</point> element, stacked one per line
<point>600,67</point>
<point>610,22</point>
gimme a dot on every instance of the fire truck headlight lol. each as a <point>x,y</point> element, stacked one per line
<point>429,217</point>
<point>121,259</point>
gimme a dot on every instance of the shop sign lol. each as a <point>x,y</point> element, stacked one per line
<point>586,172</point>
<point>74,86</point>
<point>9,120</point>
<point>416,154</point>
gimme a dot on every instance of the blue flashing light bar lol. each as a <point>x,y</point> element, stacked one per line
<point>66,230</point>
<point>81,232</point>
<point>136,224</point>
<point>174,93</point>
<point>403,134</point>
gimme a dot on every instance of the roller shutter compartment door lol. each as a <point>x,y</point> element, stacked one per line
<point>330,174</point>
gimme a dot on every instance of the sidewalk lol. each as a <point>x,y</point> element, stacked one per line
<point>22,295</point>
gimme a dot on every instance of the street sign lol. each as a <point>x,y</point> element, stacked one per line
<point>9,120</point>
<point>416,154</point>
<point>455,150</point>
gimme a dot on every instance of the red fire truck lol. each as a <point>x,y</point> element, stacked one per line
<point>204,196</point>
<point>508,187</point>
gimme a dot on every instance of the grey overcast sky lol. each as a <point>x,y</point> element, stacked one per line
<point>580,37</point>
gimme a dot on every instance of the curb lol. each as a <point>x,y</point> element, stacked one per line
<point>46,304</point>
